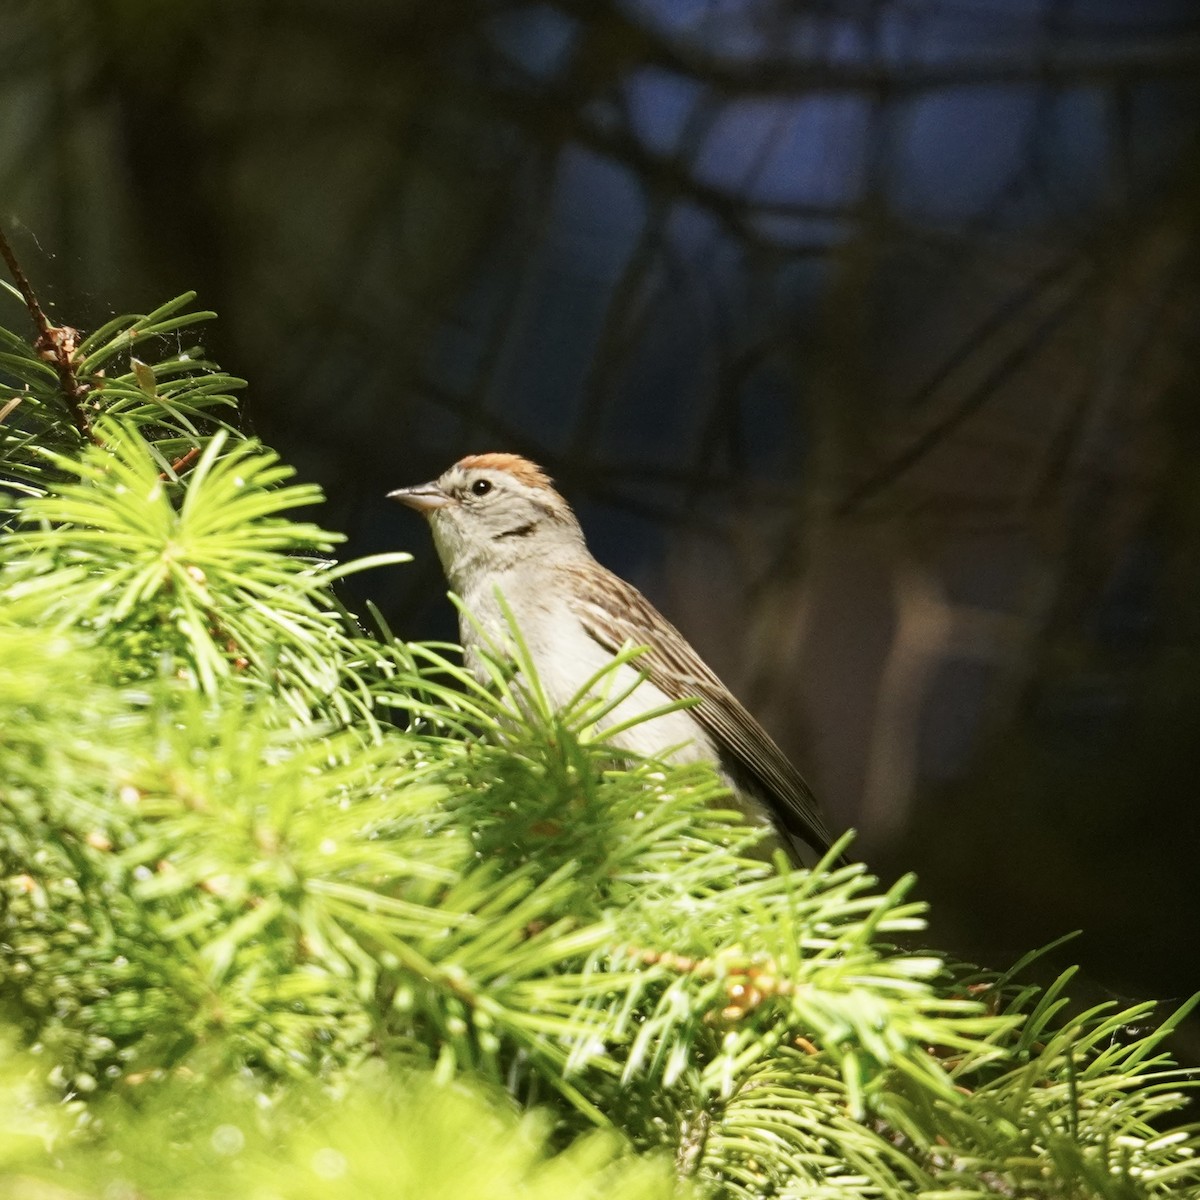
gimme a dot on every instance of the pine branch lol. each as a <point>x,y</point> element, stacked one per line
<point>55,344</point>
<point>221,859</point>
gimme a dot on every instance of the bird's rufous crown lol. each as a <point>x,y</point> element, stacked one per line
<point>519,468</point>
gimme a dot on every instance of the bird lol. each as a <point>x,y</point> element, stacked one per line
<point>506,538</point>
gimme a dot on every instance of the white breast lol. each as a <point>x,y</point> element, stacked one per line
<point>565,658</point>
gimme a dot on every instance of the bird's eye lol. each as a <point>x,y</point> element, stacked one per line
<point>481,487</point>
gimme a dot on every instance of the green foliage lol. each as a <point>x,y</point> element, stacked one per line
<point>377,1137</point>
<point>246,913</point>
<point>176,401</point>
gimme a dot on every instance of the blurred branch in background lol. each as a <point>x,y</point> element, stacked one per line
<point>864,334</point>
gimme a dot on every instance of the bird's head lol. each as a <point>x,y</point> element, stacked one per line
<point>489,512</point>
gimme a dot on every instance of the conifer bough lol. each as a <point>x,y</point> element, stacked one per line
<point>316,909</point>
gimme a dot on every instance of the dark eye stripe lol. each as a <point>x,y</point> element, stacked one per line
<point>520,531</point>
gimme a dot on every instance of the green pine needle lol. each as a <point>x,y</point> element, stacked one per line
<point>324,912</point>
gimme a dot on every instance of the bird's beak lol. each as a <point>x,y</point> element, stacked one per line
<point>424,497</point>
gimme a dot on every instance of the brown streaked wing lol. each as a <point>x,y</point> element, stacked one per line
<point>674,667</point>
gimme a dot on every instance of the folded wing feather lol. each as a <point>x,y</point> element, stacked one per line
<point>679,672</point>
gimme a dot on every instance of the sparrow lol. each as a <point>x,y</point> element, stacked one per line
<point>500,526</point>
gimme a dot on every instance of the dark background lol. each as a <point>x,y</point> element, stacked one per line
<point>863,336</point>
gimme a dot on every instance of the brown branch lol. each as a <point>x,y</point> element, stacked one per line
<point>23,286</point>
<point>181,463</point>
<point>55,344</point>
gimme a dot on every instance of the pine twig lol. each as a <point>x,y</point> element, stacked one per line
<point>181,463</point>
<point>56,344</point>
